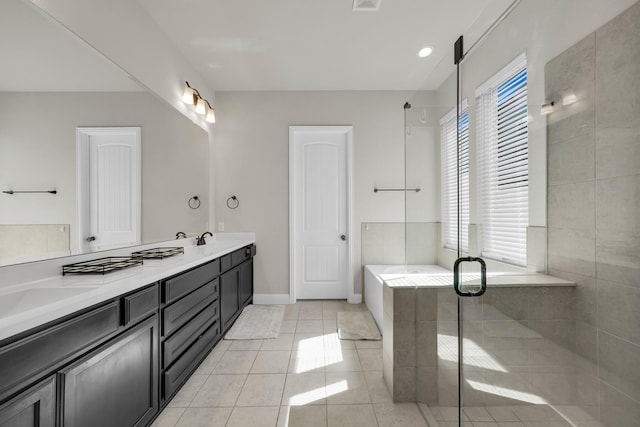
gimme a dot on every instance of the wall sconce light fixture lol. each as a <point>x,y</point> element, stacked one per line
<point>193,97</point>
<point>547,108</point>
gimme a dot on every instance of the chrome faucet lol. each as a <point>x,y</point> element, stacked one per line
<point>181,234</point>
<point>201,240</point>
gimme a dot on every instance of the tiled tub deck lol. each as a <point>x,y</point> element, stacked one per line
<point>518,341</point>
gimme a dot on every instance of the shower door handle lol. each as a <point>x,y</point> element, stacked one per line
<point>483,277</point>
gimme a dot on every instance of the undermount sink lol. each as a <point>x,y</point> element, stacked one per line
<point>29,299</point>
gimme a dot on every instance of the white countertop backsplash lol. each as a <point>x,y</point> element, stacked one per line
<point>36,293</point>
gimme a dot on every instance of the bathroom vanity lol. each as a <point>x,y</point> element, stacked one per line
<point>126,342</point>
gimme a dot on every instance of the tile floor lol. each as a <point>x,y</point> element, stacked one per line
<point>514,416</point>
<point>309,377</point>
<point>305,377</point>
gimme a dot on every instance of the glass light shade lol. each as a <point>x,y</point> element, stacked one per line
<point>187,96</point>
<point>211,115</point>
<point>546,109</point>
<point>201,106</point>
<point>425,51</point>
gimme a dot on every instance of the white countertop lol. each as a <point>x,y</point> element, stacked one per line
<point>444,278</point>
<point>28,305</point>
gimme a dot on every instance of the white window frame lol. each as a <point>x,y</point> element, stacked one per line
<point>449,176</point>
<point>503,168</point>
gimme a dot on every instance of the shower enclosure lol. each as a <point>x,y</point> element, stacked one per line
<point>527,156</point>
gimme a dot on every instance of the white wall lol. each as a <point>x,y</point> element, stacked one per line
<point>251,161</point>
<point>37,151</point>
<point>542,29</point>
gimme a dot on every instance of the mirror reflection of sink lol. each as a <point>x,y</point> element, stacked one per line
<point>29,299</point>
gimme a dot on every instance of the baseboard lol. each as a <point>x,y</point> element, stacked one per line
<point>355,299</point>
<point>271,299</point>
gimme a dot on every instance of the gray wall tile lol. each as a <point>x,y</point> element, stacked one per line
<point>427,344</point>
<point>587,348</point>
<point>617,71</point>
<point>427,385</point>
<point>616,409</point>
<point>550,303</point>
<point>618,204</point>
<point>572,160</point>
<point>572,251</point>
<point>426,304</point>
<point>619,364</point>
<point>618,257</point>
<point>617,152</point>
<point>574,71</point>
<point>572,206</point>
<point>619,310</point>
<point>506,304</point>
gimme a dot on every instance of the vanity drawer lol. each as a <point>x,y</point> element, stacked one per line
<point>140,304</point>
<point>225,262</point>
<point>180,285</point>
<point>182,368</point>
<point>180,312</point>
<point>239,256</point>
<point>189,333</point>
<point>44,351</point>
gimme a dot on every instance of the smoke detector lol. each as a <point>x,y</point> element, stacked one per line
<point>366,5</point>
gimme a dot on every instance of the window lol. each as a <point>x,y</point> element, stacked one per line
<point>503,163</point>
<point>449,179</point>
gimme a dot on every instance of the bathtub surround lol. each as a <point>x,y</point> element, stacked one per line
<point>594,211</point>
<point>512,337</point>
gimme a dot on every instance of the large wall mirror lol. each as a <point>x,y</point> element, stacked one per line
<point>51,86</point>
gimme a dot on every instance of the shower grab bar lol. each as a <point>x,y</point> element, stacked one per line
<point>417,190</point>
<point>32,192</point>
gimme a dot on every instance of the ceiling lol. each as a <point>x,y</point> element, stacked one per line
<point>321,45</point>
<point>38,55</point>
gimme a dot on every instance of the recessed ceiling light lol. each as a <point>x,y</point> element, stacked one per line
<point>366,5</point>
<point>425,51</point>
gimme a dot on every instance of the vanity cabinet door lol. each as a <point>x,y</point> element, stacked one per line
<point>117,384</point>
<point>32,408</point>
<point>229,297</point>
<point>246,283</point>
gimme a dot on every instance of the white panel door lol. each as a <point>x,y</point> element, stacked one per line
<point>320,227</point>
<point>114,169</point>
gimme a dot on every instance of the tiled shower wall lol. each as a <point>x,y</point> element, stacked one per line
<point>594,210</point>
<point>399,243</point>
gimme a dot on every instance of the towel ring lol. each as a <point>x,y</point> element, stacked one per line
<point>194,202</point>
<point>233,202</point>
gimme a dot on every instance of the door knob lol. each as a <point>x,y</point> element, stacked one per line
<point>343,237</point>
<point>91,238</point>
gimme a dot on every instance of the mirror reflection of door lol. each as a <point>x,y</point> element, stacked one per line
<point>109,181</point>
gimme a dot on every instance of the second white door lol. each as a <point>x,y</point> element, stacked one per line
<point>319,201</point>
<point>110,181</point>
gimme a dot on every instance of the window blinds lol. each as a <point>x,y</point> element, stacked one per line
<point>449,179</point>
<point>503,163</point>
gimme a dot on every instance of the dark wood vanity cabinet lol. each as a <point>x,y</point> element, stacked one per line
<point>236,285</point>
<point>246,283</point>
<point>33,407</point>
<point>116,384</point>
<point>118,363</point>
<point>229,289</point>
<point>98,367</point>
